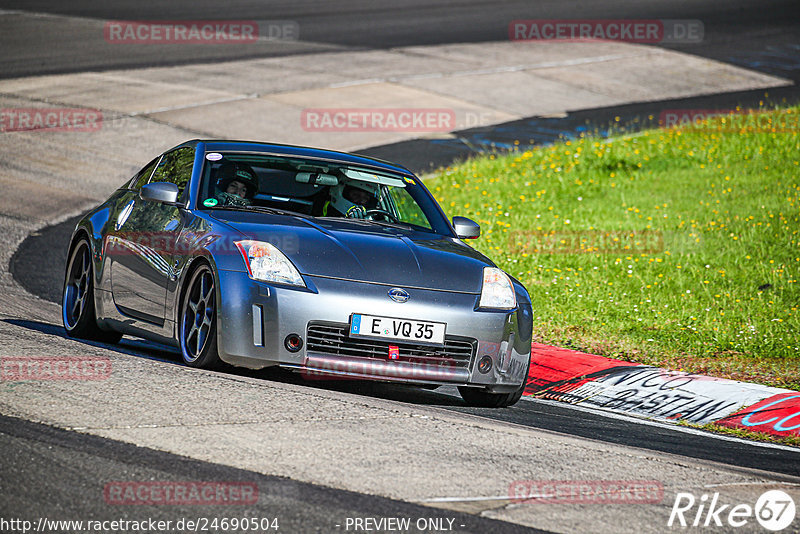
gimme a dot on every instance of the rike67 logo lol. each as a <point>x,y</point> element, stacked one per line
<point>774,510</point>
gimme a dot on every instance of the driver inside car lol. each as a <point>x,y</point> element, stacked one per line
<point>352,200</point>
<point>237,184</point>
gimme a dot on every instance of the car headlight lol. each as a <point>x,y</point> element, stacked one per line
<point>265,262</point>
<point>498,291</point>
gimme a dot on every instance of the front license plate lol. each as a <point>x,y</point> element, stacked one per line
<point>398,329</point>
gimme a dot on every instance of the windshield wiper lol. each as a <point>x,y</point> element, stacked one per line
<point>263,209</point>
<point>390,224</point>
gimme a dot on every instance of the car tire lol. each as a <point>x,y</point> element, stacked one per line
<point>77,300</point>
<point>198,321</point>
<point>484,399</point>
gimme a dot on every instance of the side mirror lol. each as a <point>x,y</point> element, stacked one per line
<point>164,192</point>
<point>466,228</point>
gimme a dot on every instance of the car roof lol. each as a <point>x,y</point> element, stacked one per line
<point>224,145</point>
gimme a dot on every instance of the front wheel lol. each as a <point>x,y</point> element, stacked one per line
<point>198,325</point>
<point>485,399</point>
<point>77,302</point>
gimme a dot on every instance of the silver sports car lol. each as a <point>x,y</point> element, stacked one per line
<point>332,264</point>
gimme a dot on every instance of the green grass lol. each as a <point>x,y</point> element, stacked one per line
<point>677,248</point>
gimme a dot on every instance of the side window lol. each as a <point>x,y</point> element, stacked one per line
<point>143,176</point>
<point>175,167</point>
<point>407,208</point>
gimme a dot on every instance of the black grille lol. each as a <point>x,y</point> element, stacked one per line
<point>333,339</point>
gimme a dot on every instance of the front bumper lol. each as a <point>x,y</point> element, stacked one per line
<point>255,318</point>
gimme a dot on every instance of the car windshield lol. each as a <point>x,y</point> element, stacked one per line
<point>317,189</point>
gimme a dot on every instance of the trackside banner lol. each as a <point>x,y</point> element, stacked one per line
<point>670,394</point>
<point>590,380</point>
<point>777,415</point>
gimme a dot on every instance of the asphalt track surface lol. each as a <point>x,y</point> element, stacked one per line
<point>44,280</point>
<point>87,463</point>
<point>736,28</point>
<point>763,36</point>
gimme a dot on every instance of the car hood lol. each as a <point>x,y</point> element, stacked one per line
<point>366,251</point>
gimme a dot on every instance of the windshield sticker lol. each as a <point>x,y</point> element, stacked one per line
<point>210,202</point>
<point>213,156</point>
<point>373,178</point>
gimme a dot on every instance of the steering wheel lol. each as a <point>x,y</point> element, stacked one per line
<point>385,215</point>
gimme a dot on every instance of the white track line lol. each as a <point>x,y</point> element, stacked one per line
<point>678,428</point>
